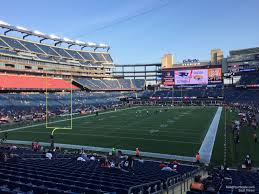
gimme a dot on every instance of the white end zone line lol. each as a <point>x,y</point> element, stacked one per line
<point>41,124</point>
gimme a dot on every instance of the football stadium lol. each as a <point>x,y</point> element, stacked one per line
<point>74,120</point>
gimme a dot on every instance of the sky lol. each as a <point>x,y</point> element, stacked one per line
<point>142,31</point>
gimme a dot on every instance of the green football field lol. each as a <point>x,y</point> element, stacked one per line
<point>178,130</point>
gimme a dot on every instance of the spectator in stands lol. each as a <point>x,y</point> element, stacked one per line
<point>197,185</point>
<point>209,185</point>
<point>14,157</point>
<point>113,151</point>
<point>3,157</point>
<point>162,165</point>
<point>137,153</point>
<point>92,158</point>
<point>120,154</point>
<point>80,159</point>
<point>104,163</point>
<point>32,145</point>
<point>248,162</point>
<point>128,163</point>
<point>35,146</point>
<point>112,164</point>
<point>13,147</point>
<point>175,162</point>
<point>116,158</point>
<point>84,156</point>
<point>198,157</point>
<point>131,161</point>
<point>49,155</point>
<point>52,141</point>
<point>175,168</point>
<point>254,124</point>
<point>58,149</point>
<point>255,137</point>
<point>167,168</point>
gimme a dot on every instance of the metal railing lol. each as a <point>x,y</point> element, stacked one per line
<point>180,180</point>
<point>157,187</point>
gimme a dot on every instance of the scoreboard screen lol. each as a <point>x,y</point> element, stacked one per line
<point>193,76</point>
<point>168,78</point>
<point>215,75</point>
<point>171,77</point>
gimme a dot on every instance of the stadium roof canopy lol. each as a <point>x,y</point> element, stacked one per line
<point>245,51</point>
<point>53,37</point>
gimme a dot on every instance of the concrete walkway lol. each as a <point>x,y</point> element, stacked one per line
<point>208,142</point>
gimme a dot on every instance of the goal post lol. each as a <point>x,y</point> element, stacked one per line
<point>63,121</point>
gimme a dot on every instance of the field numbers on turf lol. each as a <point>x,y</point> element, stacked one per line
<point>153,131</point>
<point>163,125</point>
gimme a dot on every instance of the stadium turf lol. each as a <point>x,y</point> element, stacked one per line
<point>178,130</point>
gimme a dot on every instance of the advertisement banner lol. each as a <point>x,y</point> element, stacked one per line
<point>215,75</point>
<point>195,76</point>
<point>168,78</point>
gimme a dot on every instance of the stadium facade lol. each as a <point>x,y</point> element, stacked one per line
<point>243,60</point>
<point>88,64</point>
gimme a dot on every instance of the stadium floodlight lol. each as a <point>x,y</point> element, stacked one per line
<point>67,39</point>
<point>103,45</point>
<point>4,23</point>
<point>22,28</point>
<point>38,33</point>
<point>79,42</point>
<point>91,44</point>
<point>53,36</point>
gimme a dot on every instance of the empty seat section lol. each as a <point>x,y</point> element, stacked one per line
<point>32,47</point>
<point>13,43</point>
<point>97,56</point>
<point>8,81</point>
<point>87,56</point>
<point>62,52</point>
<point>107,57</point>
<point>48,50</point>
<point>74,54</point>
<point>2,44</point>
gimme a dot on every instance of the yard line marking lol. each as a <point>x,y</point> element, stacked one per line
<point>113,132</point>
<point>186,131</point>
<point>119,129</point>
<point>41,124</point>
<point>121,137</point>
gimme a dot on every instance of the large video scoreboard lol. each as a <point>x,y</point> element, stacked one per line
<point>191,76</point>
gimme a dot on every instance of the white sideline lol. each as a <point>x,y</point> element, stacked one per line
<point>209,140</point>
<point>41,124</point>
